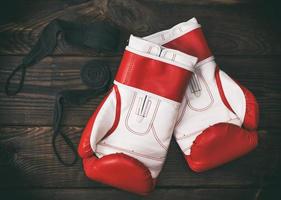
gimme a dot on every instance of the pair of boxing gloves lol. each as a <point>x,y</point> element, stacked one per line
<point>167,84</point>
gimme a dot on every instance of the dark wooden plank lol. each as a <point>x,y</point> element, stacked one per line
<point>20,10</point>
<point>226,37</point>
<point>34,106</point>
<point>164,194</point>
<point>28,167</point>
<point>33,18</point>
<point>28,161</point>
<point>201,2</point>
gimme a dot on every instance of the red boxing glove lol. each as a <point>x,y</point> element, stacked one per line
<point>125,142</point>
<point>218,117</point>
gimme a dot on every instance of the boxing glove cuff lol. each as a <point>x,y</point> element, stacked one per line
<point>186,37</point>
<point>146,72</point>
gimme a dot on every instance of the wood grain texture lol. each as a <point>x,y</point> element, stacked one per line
<point>34,105</point>
<point>244,42</point>
<point>230,36</point>
<point>164,194</point>
<point>201,2</point>
<point>30,162</point>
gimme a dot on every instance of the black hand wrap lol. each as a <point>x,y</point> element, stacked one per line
<point>99,36</point>
<point>97,76</point>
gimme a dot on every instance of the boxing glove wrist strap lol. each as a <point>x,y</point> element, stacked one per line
<point>153,75</point>
<point>186,37</point>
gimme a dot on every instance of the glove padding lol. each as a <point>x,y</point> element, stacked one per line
<point>125,142</point>
<point>219,117</point>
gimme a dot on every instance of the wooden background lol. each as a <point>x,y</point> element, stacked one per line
<point>245,40</point>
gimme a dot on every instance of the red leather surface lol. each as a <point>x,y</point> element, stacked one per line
<point>219,144</point>
<point>153,76</point>
<point>251,119</point>
<point>120,171</point>
<point>117,112</point>
<point>220,89</point>
<point>84,148</point>
<point>222,142</point>
<point>192,43</point>
<point>117,170</point>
